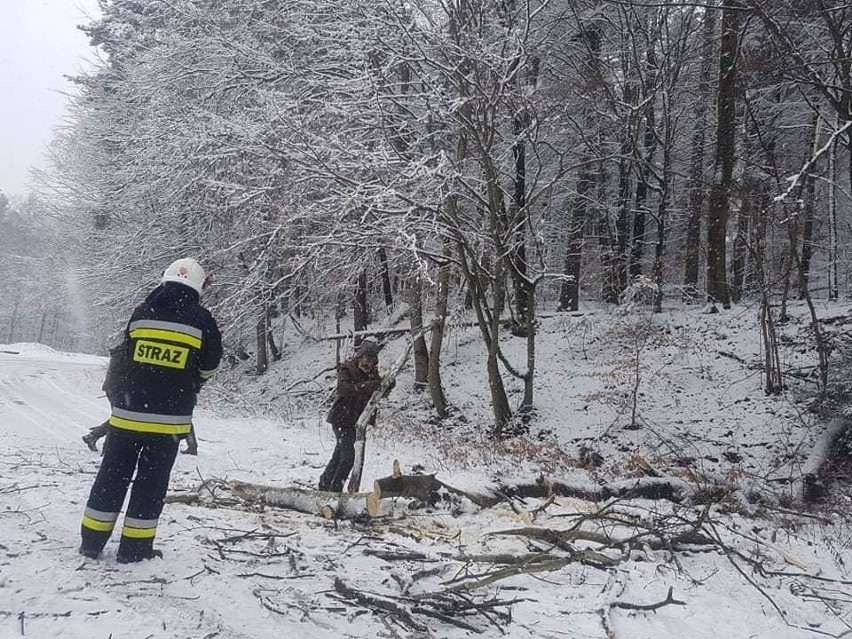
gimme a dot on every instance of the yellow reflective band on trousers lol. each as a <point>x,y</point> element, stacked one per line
<point>150,427</point>
<point>100,526</point>
<point>169,336</point>
<point>139,533</point>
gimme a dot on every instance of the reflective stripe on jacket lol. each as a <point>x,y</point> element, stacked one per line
<point>173,346</point>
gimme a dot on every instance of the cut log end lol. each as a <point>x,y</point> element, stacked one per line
<point>373,508</point>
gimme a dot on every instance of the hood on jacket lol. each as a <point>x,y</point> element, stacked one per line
<point>172,295</point>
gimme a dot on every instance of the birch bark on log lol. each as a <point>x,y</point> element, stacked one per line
<point>811,486</point>
<point>313,502</point>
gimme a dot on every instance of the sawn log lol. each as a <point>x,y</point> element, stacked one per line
<point>314,502</point>
<point>340,505</point>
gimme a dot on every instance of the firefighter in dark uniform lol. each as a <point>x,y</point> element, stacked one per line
<point>174,346</point>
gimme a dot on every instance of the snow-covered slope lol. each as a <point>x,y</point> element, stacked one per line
<point>232,571</point>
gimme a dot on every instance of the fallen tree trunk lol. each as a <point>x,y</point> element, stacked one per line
<point>812,485</point>
<point>670,488</point>
<point>422,487</point>
<point>425,488</point>
<point>341,505</point>
<point>313,502</point>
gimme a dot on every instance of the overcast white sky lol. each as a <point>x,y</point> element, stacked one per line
<point>39,44</point>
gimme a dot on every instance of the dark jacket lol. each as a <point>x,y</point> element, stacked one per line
<point>173,347</point>
<point>119,360</point>
<point>354,389</point>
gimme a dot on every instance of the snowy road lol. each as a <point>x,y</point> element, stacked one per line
<point>48,397</point>
<point>237,573</point>
<point>48,400</point>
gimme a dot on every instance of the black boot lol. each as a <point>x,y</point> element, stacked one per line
<point>91,553</point>
<point>132,558</point>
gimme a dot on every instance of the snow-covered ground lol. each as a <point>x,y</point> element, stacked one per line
<point>235,571</point>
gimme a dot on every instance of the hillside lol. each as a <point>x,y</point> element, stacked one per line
<point>233,570</point>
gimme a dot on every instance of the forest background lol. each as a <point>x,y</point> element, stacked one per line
<point>614,236</point>
<point>449,161</point>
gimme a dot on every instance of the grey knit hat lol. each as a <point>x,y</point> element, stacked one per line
<point>368,347</point>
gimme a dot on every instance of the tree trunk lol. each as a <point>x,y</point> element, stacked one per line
<point>519,214</point>
<point>54,325</point>
<point>41,328</point>
<point>569,291</point>
<point>421,487</point>
<point>760,203</point>
<point>296,301</point>
<point>606,241</point>
<point>529,378</point>
<point>696,165</point>
<point>640,212</point>
<point>386,280</point>
<point>14,320</point>
<point>808,208</point>
<point>270,338</point>
<point>340,311</point>
<point>500,402</point>
<point>335,505</point>
<point>421,353</point>
<point>739,252</point>
<point>517,226</point>
<point>720,194</point>
<point>489,326</point>
<point>819,340</point>
<point>660,257</point>
<point>752,202</point>
<point>662,214</point>
<point>313,502</point>
<point>359,307</point>
<point>823,459</point>
<point>619,261</point>
<point>786,272</point>
<point>499,399</point>
<point>832,223</point>
<point>260,334</point>
<point>773,382</point>
<point>649,147</point>
<point>807,234</point>
<point>436,388</point>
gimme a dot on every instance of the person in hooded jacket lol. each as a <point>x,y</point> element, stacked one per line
<point>357,379</point>
<point>173,347</point>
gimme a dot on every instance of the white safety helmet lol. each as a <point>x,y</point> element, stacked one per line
<point>185,271</point>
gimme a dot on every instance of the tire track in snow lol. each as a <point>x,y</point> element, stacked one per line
<point>30,388</point>
<point>61,425</point>
<point>81,399</point>
<point>13,406</point>
<point>81,404</point>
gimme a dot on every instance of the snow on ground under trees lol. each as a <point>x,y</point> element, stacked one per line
<point>526,567</point>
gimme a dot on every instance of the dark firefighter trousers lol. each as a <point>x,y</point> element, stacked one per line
<point>151,456</point>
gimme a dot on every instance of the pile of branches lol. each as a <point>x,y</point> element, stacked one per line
<point>467,591</point>
<point>453,608</point>
<point>603,540</point>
